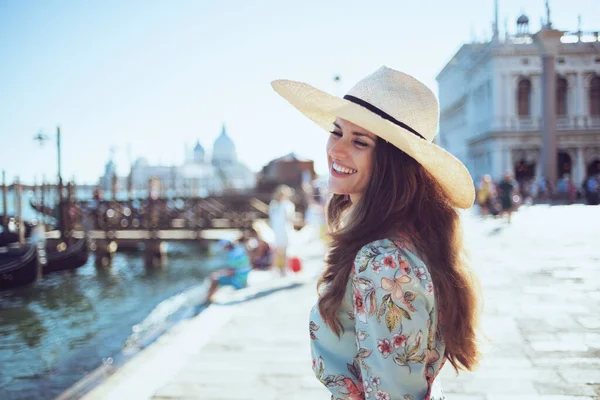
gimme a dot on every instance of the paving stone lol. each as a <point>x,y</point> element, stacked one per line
<point>563,388</point>
<point>551,346</point>
<point>587,376</point>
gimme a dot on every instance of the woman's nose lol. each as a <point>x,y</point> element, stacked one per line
<point>338,149</point>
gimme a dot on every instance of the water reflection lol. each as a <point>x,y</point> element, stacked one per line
<point>60,328</point>
<point>25,322</point>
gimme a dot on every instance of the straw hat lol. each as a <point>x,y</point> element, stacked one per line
<point>399,109</point>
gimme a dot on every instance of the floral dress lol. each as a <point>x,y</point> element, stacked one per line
<point>392,346</point>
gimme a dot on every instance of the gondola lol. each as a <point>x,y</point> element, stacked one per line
<point>48,211</point>
<point>19,264</point>
<point>61,256</point>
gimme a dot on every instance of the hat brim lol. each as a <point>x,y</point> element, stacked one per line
<point>323,108</point>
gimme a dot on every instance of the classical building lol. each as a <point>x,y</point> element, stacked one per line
<point>491,104</point>
<point>198,176</point>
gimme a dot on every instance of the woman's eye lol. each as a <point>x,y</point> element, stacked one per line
<point>360,144</point>
<point>338,134</point>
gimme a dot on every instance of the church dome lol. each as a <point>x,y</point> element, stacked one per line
<point>223,149</point>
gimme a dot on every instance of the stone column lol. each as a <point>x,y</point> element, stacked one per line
<point>549,40</point>
<point>496,164</point>
<point>513,85</point>
<point>505,100</point>
<point>571,98</point>
<point>497,103</point>
<point>508,161</point>
<point>535,98</point>
<point>585,98</point>
<point>579,99</point>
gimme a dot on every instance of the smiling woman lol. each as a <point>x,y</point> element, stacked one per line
<point>350,158</point>
<point>396,300</point>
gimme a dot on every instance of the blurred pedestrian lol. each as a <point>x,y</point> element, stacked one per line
<point>394,273</point>
<point>506,190</point>
<point>234,267</point>
<point>281,221</point>
<point>592,190</point>
<point>572,189</point>
<point>259,251</point>
<point>485,194</point>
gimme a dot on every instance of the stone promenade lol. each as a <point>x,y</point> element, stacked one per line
<point>540,280</point>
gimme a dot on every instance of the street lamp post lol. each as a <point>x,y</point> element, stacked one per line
<point>41,138</point>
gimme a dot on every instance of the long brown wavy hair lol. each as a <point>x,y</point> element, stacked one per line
<point>403,199</point>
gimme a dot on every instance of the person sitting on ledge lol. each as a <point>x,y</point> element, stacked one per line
<point>236,268</point>
<point>261,255</point>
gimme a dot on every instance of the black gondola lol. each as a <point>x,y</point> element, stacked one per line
<point>19,264</point>
<point>63,257</point>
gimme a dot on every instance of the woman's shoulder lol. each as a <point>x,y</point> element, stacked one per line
<point>389,246</point>
<point>393,264</point>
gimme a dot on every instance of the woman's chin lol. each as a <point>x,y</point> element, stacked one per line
<point>337,190</point>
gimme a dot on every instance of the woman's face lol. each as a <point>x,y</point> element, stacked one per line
<point>350,150</point>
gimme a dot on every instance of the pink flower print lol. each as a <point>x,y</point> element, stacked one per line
<point>404,266</point>
<point>380,395</point>
<point>368,389</point>
<point>355,391</point>
<point>421,273</point>
<point>399,341</point>
<point>431,356</point>
<point>429,287</point>
<point>375,381</point>
<point>384,347</point>
<point>389,262</point>
<point>376,268</point>
<point>359,305</point>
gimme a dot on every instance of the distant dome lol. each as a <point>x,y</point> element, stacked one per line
<point>199,152</point>
<point>523,19</point>
<point>223,149</point>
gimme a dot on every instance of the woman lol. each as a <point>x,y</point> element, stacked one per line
<point>484,194</point>
<point>281,221</point>
<point>396,300</point>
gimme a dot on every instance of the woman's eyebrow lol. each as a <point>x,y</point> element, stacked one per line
<point>354,133</point>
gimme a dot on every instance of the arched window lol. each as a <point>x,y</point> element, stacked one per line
<point>561,96</point>
<point>524,98</point>
<point>595,96</point>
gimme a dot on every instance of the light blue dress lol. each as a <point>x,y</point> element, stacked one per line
<point>392,346</point>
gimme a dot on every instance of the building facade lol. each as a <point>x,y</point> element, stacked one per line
<point>198,176</point>
<point>491,105</point>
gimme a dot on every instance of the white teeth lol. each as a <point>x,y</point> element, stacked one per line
<point>343,170</point>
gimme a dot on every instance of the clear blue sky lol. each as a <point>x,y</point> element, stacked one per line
<point>158,74</point>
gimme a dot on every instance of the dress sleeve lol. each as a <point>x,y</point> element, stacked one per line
<point>393,306</point>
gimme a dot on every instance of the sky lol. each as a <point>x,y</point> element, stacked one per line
<point>146,78</point>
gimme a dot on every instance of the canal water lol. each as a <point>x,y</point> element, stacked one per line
<point>66,325</point>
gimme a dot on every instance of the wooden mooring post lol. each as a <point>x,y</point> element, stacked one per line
<point>154,248</point>
<point>155,254</point>
<point>19,211</point>
<point>104,252</point>
<point>4,199</point>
